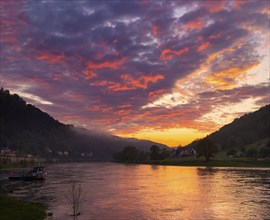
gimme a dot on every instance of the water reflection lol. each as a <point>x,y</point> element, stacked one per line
<point>117,191</point>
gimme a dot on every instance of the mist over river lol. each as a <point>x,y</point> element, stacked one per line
<point>119,191</point>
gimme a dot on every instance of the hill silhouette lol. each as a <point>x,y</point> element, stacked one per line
<point>28,130</point>
<point>248,129</point>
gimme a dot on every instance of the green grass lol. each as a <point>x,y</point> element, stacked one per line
<point>258,144</point>
<point>15,209</point>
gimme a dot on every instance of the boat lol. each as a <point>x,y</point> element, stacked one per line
<point>37,173</point>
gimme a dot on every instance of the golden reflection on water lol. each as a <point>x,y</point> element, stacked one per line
<point>127,192</point>
<point>167,192</point>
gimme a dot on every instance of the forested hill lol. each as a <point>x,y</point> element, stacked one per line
<point>248,129</point>
<point>28,130</point>
<point>245,130</point>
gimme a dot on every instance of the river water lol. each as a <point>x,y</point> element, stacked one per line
<point>118,191</point>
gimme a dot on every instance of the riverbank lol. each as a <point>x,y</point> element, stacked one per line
<point>213,163</point>
<point>239,162</point>
<point>16,209</point>
<point>10,166</point>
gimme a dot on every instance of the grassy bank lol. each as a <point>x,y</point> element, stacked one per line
<point>15,209</point>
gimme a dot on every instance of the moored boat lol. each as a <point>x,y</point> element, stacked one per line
<point>37,173</point>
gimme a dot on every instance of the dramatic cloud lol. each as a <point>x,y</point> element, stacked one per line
<point>166,69</point>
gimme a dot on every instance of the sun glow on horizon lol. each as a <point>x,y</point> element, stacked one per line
<point>171,137</point>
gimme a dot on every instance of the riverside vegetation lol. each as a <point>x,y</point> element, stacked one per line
<point>16,209</point>
<point>205,153</point>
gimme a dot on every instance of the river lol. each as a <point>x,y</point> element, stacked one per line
<point>118,191</point>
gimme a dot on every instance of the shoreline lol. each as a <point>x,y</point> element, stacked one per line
<point>171,162</point>
<point>212,163</point>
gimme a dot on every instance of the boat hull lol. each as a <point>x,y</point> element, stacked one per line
<point>37,173</point>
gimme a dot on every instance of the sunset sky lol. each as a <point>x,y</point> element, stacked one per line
<point>167,71</point>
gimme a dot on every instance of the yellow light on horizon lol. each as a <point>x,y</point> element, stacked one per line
<point>171,137</point>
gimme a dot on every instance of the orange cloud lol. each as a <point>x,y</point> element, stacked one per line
<point>238,4</point>
<point>215,6</point>
<point>91,67</point>
<point>107,64</point>
<point>100,83</point>
<point>155,30</point>
<point>141,82</point>
<point>203,46</point>
<point>198,23</point>
<point>215,36</point>
<point>157,93</point>
<point>125,106</point>
<point>153,79</point>
<point>124,112</point>
<point>98,108</point>
<point>113,86</point>
<point>168,54</point>
<point>266,11</point>
<point>73,95</point>
<point>88,74</point>
<point>50,58</point>
<point>119,87</point>
<point>227,78</point>
<point>129,83</point>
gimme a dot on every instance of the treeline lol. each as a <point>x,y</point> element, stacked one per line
<point>204,147</point>
<point>131,154</point>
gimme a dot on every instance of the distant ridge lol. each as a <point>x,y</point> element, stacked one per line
<point>247,129</point>
<point>28,130</point>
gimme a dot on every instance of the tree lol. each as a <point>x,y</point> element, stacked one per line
<point>164,154</point>
<point>128,154</point>
<point>154,152</point>
<point>76,196</point>
<point>207,148</point>
<point>178,151</point>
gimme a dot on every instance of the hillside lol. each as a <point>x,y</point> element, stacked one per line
<point>28,130</point>
<point>243,131</point>
<point>248,129</point>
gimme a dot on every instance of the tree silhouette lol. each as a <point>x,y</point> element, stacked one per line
<point>178,151</point>
<point>154,152</point>
<point>76,196</point>
<point>207,148</point>
<point>130,153</point>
